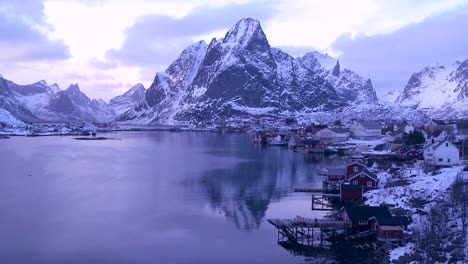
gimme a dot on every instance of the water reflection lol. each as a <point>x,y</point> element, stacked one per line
<point>148,198</point>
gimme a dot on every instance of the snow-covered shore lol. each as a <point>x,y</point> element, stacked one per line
<point>417,193</point>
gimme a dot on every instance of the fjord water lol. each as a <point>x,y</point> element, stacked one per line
<point>149,197</point>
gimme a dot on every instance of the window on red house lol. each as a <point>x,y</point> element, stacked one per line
<point>355,182</point>
<point>369,183</point>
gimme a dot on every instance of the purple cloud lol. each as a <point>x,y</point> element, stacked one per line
<point>158,39</point>
<point>390,59</point>
<point>17,29</point>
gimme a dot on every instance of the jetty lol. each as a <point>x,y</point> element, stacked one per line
<point>320,197</point>
<point>307,231</point>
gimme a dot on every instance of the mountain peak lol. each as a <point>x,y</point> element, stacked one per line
<point>42,82</point>
<point>137,86</point>
<point>1,76</point>
<point>73,87</point>
<point>243,31</point>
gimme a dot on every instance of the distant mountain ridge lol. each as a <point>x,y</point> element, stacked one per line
<point>439,91</point>
<point>241,74</point>
<point>41,102</point>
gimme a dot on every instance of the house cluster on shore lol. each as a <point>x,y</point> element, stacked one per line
<point>437,143</point>
<point>372,148</point>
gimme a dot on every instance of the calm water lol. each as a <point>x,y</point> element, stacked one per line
<point>149,197</point>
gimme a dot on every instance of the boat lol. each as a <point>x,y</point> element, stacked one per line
<point>357,156</point>
<point>277,141</point>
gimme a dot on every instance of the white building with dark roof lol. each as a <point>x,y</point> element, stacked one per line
<point>442,153</point>
<point>333,135</point>
<point>366,130</point>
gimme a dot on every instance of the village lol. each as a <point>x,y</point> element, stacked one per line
<point>383,198</point>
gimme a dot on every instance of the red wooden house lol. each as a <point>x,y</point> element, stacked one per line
<point>389,228</point>
<point>335,175</point>
<point>351,193</point>
<point>409,152</point>
<point>314,129</point>
<point>353,168</point>
<point>314,144</point>
<point>365,178</point>
<point>359,216</point>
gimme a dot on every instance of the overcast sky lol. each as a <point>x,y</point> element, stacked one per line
<point>106,46</point>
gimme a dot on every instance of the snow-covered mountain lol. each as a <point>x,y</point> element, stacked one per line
<point>350,87</point>
<point>10,103</point>
<point>241,74</point>
<point>119,104</point>
<point>71,105</point>
<point>391,96</point>
<point>439,91</point>
<point>8,120</point>
<point>41,102</point>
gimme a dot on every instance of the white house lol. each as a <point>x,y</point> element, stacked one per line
<point>407,128</point>
<point>442,153</point>
<point>366,130</point>
<point>438,136</point>
<point>333,135</point>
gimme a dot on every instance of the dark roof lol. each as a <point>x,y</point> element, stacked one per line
<point>367,172</point>
<point>393,220</point>
<point>351,187</point>
<point>339,130</point>
<point>355,162</point>
<point>439,122</point>
<point>438,144</point>
<point>406,148</point>
<point>356,213</point>
<point>316,127</point>
<point>370,162</point>
<point>437,133</point>
<point>371,124</point>
<point>311,141</point>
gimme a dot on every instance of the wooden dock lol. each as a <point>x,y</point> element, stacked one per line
<point>360,235</point>
<point>309,223</point>
<point>320,197</point>
<point>307,190</point>
<point>307,231</point>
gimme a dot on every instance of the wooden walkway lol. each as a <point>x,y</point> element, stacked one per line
<point>307,189</point>
<point>309,223</point>
<point>315,191</point>
<point>359,235</point>
<point>306,231</point>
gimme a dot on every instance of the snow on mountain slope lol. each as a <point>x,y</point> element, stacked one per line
<point>40,102</point>
<point>8,120</point>
<point>235,75</point>
<point>9,102</point>
<point>439,91</point>
<point>350,87</point>
<point>35,97</point>
<point>391,96</point>
<point>119,104</point>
